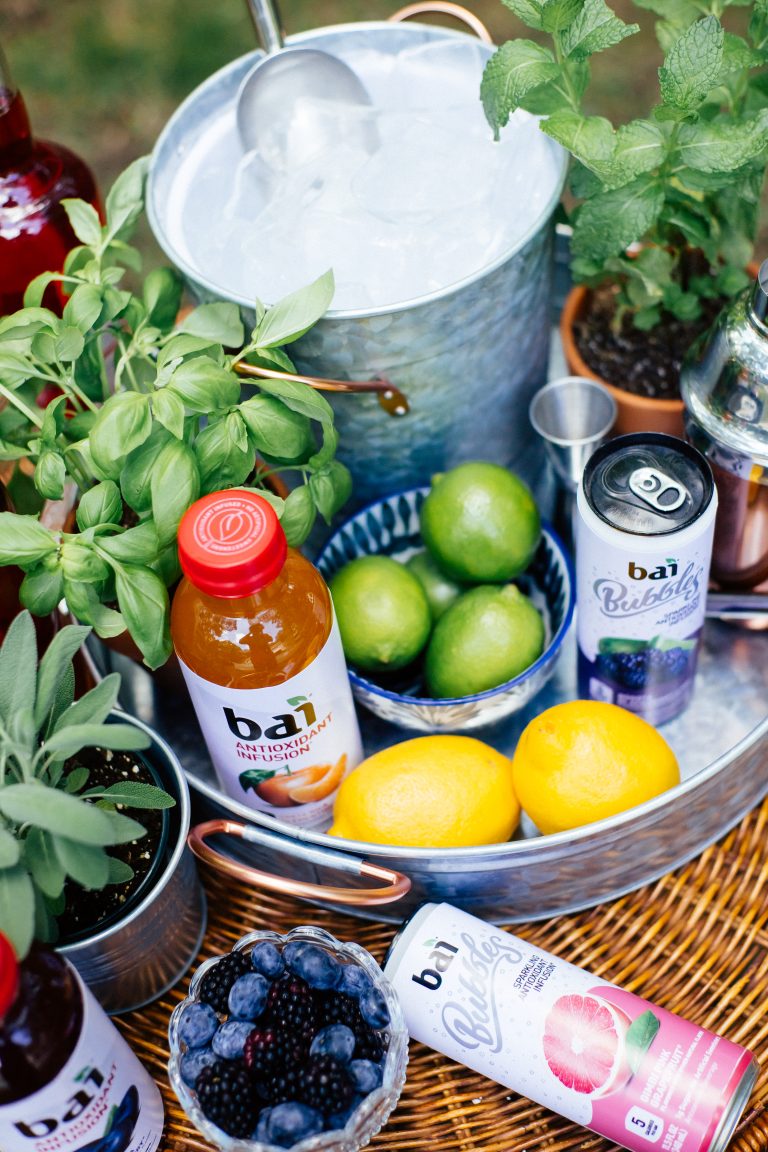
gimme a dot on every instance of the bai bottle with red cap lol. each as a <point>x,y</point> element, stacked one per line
<point>253,627</point>
<point>68,1080</point>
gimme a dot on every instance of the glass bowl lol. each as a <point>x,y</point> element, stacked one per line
<point>371,1114</point>
<point>390,527</point>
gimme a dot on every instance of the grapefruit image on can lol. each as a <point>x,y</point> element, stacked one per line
<point>585,1044</point>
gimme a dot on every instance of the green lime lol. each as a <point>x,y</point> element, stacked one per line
<point>480,523</point>
<point>382,612</point>
<point>440,590</point>
<point>487,637</point>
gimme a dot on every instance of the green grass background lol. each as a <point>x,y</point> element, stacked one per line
<point>103,76</point>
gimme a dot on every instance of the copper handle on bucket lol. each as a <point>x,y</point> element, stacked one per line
<point>390,398</point>
<point>396,884</point>
<point>448,9</point>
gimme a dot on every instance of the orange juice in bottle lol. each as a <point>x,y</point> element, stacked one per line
<point>253,627</point>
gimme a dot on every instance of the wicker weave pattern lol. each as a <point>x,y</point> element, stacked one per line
<point>696,943</point>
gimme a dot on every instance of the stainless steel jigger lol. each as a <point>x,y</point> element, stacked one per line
<point>573,416</point>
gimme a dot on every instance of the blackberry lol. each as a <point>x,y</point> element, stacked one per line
<point>325,1085</point>
<point>269,1050</point>
<point>290,1005</point>
<point>632,668</point>
<point>283,1085</point>
<point>337,1008</point>
<point>215,985</point>
<point>226,1096</point>
<point>669,664</point>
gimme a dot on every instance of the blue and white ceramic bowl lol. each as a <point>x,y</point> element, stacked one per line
<point>390,527</point>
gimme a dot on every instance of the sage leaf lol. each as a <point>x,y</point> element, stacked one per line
<point>692,65</point>
<point>714,147</point>
<point>94,707</point>
<point>295,314</point>
<point>119,871</point>
<point>639,1038</point>
<point>17,908</point>
<point>84,220</point>
<point>43,864</point>
<point>18,667</point>
<point>122,425</point>
<point>143,600</point>
<point>55,811</point>
<point>87,865</point>
<point>24,540</point>
<point>54,663</point>
<point>10,849</point>
<point>134,794</point>
<point>595,28</point>
<point>68,739</point>
<point>99,505</point>
<point>514,70</point>
<point>219,322</point>
<point>75,780</point>
<point>124,829</point>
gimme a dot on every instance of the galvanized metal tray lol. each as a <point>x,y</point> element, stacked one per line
<point>721,742</point>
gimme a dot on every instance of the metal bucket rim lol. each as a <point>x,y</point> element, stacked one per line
<point>456,857</point>
<point>195,276</point>
<point>172,764</point>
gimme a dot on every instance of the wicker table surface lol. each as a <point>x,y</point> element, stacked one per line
<point>695,942</point>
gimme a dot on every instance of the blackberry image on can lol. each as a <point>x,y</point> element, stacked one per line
<point>645,521</point>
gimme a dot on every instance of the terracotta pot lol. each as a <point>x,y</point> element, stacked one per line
<point>635,413</point>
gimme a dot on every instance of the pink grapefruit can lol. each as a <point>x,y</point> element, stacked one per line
<point>600,1056</point>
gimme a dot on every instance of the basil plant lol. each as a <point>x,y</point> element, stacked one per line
<point>144,414</point>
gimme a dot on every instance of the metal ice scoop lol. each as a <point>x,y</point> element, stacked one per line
<point>279,109</point>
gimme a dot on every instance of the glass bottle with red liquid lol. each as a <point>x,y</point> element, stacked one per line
<point>35,176</point>
<point>68,1079</point>
<point>253,626</point>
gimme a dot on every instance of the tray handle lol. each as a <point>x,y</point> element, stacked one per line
<point>395,883</point>
<point>447,8</point>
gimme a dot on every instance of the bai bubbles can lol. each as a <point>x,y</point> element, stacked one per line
<point>645,521</point>
<point>598,1055</point>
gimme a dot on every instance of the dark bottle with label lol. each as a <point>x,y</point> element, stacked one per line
<point>67,1077</point>
<point>35,176</point>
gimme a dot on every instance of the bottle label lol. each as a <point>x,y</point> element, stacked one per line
<point>285,749</point>
<point>598,1055</point>
<point>102,1100</point>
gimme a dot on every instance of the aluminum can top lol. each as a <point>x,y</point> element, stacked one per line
<point>648,484</point>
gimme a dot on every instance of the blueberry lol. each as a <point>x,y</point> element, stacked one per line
<point>373,1008</point>
<point>193,1062</point>
<point>261,1131</point>
<point>353,981</point>
<point>197,1024</point>
<point>291,1122</point>
<point>266,959</point>
<point>337,1120</point>
<point>335,1040</point>
<point>229,1041</point>
<point>316,966</point>
<point>248,996</point>
<point>365,1075</point>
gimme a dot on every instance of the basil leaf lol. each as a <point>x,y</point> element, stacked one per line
<point>168,410</point>
<point>298,515</point>
<point>219,322</point>
<point>50,474</point>
<point>123,424</point>
<point>84,220</point>
<point>222,463</point>
<point>83,308</point>
<point>143,600</point>
<point>331,488</point>
<point>100,505</point>
<point>295,314</point>
<point>136,476</point>
<point>278,430</point>
<point>138,545</point>
<point>23,540</point>
<point>174,486</point>
<point>161,293</point>
<point>204,386</point>
<point>125,199</point>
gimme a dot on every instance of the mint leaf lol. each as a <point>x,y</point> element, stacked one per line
<point>514,70</point>
<point>640,1037</point>
<point>722,147</point>
<point>558,14</point>
<point>738,55</point>
<point>590,139</point>
<point>692,66</point>
<point>608,223</point>
<point>526,10</point>
<point>595,28</point>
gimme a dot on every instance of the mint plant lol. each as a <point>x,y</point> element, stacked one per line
<point>144,415</point>
<point>53,827</point>
<point>685,178</point>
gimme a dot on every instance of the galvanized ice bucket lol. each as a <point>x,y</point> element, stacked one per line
<point>468,358</point>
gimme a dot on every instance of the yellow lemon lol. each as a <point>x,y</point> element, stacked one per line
<point>585,760</point>
<point>429,792</point>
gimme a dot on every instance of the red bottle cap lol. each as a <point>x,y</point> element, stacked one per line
<point>231,543</point>
<point>9,975</point>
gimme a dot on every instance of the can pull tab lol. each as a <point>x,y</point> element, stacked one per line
<point>657,489</point>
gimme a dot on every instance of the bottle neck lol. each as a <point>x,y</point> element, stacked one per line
<point>15,134</point>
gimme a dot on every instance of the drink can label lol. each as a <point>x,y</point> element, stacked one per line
<point>103,1097</point>
<point>646,517</point>
<point>283,749</point>
<point>598,1055</point>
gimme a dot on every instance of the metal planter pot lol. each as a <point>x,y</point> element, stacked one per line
<point>138,958</point>
<point>468,358</point>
